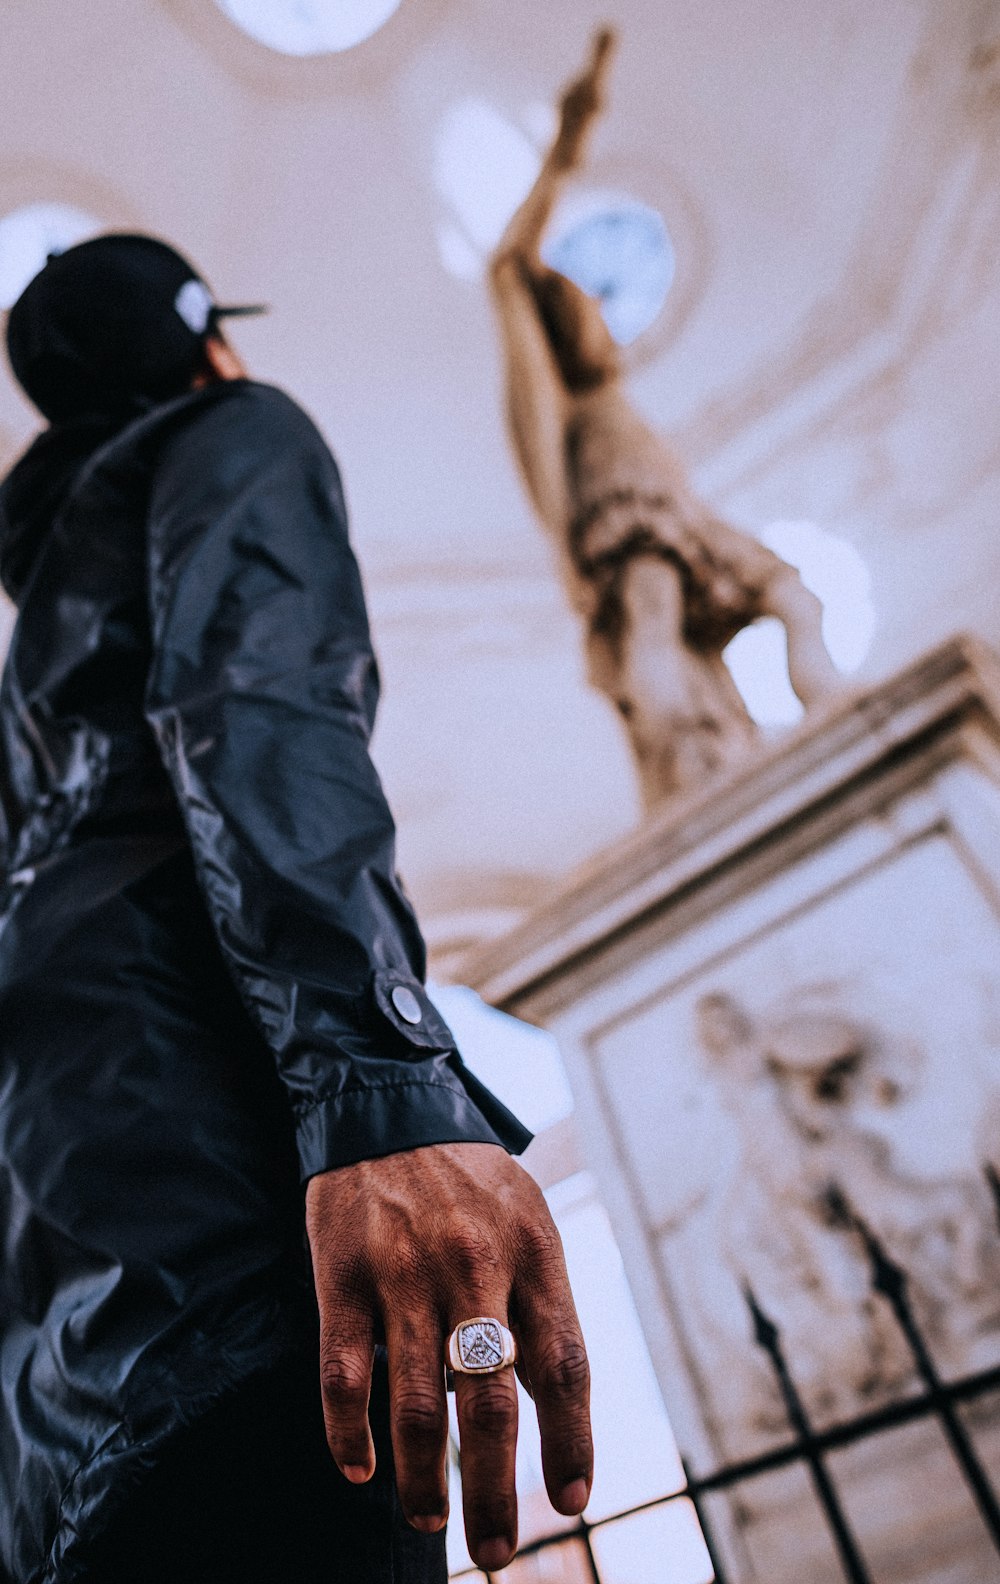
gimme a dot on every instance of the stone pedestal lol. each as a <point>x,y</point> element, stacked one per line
<point>780,1008</point>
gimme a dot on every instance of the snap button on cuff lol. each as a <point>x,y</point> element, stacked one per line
<point>406,1004</point>
<point>405,1008</point>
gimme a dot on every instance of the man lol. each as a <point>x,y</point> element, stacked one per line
<point>662,584</point>
<point>211,987</point>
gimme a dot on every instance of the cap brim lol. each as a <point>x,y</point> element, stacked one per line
<point>239,310</point>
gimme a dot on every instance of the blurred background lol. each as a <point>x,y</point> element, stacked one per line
<point>823,342</point>
<point>792,218</point>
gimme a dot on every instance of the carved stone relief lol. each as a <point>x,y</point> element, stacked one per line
<point>845,1064</point>
<point>815,1092</point>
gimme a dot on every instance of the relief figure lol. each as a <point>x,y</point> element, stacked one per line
<point>814,1093</point>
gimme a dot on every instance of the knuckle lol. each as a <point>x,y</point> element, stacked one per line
<point>405,1266</point>
<point>343,1380</point>
<point>564,1371</point>
<point>470,1253</point>
<point>492,1411</point>
<point>540,1243</point>
<point>419,1416</point>
<point>345,1273</point>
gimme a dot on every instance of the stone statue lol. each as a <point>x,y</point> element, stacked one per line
<point>661,583</point>
<point>815,1094</point>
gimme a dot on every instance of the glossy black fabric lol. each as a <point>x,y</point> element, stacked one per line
<point>250,1495</point>
<point>200,933</point>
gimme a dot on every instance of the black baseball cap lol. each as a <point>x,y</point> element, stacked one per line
<point>112,326</point>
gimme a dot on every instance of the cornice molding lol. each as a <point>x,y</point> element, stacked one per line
<point>887,732</point>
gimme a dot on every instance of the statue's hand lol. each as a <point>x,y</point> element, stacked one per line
<point>584,100</point>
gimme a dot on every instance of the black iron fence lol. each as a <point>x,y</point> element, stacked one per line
<point>937,1401</point>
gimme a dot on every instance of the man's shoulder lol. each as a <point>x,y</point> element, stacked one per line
<point>243,410</point>
<point>216,451</point>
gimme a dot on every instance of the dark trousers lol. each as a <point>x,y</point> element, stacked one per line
<point>250,1495</point>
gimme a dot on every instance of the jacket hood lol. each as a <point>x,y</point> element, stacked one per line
<point>32,494</point>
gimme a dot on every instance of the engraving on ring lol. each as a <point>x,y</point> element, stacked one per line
<point>480,1345</point>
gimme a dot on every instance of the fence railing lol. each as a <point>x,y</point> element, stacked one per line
<point>937,1400</point>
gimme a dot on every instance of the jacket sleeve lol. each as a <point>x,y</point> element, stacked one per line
<point>262,695</point>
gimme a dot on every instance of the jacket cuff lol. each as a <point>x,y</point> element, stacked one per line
<point>404,1112</point>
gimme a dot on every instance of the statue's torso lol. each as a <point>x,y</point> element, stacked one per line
<point>610,448</point>
<point>628,496</point>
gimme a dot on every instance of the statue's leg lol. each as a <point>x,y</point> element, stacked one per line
<point>681,718</point>
<point>811,672</point>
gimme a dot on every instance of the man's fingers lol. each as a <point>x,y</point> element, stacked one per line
<point>419,1411</point>
<point>560,1377</point>
<point>521,1372</point>
<point>346,1354</point>
<point>487,1424</point>
<point>443,1234</point>
<point>555,1358</point>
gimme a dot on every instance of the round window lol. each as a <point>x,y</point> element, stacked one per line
<point>620,253</point>
<point>309,27</point>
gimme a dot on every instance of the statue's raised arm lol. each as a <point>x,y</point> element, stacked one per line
<point>554,337</point>
<point>662,583</point>
<point>581,104</point>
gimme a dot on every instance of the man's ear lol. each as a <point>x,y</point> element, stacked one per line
<point>221,361</point>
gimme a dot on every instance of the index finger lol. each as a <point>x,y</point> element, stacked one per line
<point>555,1358</point>
<point>346,1355</point>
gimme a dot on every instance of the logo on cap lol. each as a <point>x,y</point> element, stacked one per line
<point>194,304</point>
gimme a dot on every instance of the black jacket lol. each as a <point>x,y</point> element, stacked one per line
<point>201,934</point>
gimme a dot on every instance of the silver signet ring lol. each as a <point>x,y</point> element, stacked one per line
<point>481,1346</point>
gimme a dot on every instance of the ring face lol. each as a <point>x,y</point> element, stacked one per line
<point>480,1346</point>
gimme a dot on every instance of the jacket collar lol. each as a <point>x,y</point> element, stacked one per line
<point>34,490</point>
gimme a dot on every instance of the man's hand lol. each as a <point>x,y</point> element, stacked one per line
<point>420,1241</point>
